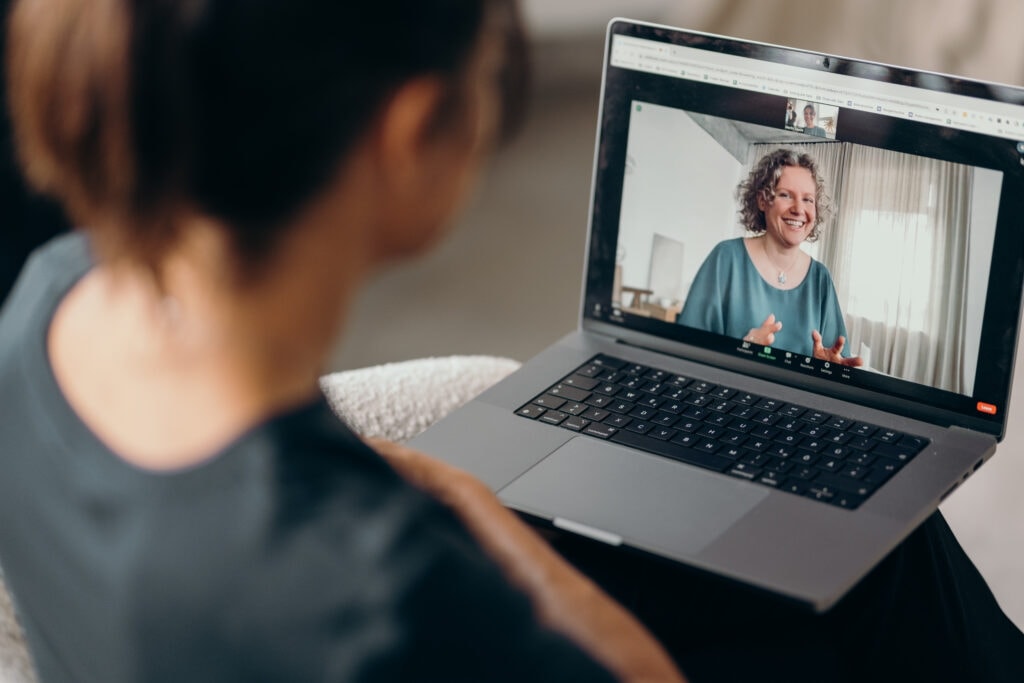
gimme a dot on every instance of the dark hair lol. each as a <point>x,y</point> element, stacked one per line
<point>763,179</point>
<point>242,109</point>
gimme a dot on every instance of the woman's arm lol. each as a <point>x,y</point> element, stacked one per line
<point>563,598</point>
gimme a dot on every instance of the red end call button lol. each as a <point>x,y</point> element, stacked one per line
<point>986,408</point>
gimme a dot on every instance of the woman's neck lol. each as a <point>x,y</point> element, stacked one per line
<point>167,378</point>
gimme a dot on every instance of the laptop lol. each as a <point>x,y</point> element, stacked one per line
<point>660,427</point>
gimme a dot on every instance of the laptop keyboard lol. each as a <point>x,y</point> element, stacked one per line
<point>788,447</point>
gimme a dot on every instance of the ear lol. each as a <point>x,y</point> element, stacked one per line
<point>405,132</point>
<point>762,203</point>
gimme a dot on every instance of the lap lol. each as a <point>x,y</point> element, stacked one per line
<point>925,613</point>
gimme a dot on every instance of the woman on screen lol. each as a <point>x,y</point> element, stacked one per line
<point>764,288</point>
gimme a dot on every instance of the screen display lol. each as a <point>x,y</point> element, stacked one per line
<point>803,227</point>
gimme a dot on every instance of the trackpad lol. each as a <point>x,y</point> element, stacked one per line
<point>648,501</point>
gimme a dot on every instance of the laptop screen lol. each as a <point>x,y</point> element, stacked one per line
<point>855,225</point>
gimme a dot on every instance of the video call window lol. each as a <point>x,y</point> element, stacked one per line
<point>812,118</point>
<point>907,245</point>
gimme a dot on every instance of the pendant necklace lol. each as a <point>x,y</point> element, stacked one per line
<point>781,277</point>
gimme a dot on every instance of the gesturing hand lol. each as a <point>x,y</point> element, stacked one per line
<point>765,334</point>
<point>834,354</point>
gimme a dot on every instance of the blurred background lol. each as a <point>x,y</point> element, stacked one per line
<point>507,280</point>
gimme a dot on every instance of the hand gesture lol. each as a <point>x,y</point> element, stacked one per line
<point>834,354</point>
<point>765,334</point>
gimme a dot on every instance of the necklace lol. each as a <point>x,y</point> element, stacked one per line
<point>781,277</point>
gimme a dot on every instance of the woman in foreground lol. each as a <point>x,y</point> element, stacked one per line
<point>179,502</point>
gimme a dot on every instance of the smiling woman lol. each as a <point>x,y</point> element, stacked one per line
<point>764,288</point>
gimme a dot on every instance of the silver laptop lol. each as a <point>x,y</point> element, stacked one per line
<point>662,427</point>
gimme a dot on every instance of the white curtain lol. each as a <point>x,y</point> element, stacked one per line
<point>897,248</point>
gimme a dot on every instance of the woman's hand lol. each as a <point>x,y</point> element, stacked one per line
<point>765,334</point>
<point>834,354</point>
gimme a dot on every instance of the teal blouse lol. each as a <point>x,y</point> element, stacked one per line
<point>730,297</point>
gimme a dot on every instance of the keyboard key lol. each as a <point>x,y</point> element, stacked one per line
<point>757,459</point>
<point>773,479</point>
<point>554,417</point>
<point>569,393</point>
<point>609,389</point>
<point>847,485</point>
<point>688,425</point>
<point>580,382</point>
<point>656,375</point>
<point>862,429</point>
<point>575,408</point>
<point>839,423</point>
<point>609,362</point>
<point>674,407</point>
<point>596,414</point>
<point>830,464</point>
<point>679,381</point>
<point>767,418</point>
<point>651,401</point>
<point>665,419</point>
<point>549,401</point>
<point>895,452</point>
<point>707,446</point>
<point>764,432</point>
<point>788,439</point>
<point>723,393</point>
<point>743,412</point>
<point>889,436</point>
<point>698,400</point>
<point>621,407</point>
<point>814,431</point>
<point>838,437</point>
<point>599,401</point>
<point>711,431</point>
<point>790,425</point>
<point>684,439</point>
<point>805,458</point>
<point>600,431</point>
<point>618,421</point>
<point>745,471</point>
<point>636,369</point>
<point>816,417</point>
<point>676,394</point>
<point>531,411</point>
<point>640,427</point>
<point>820,492</point>
<point>862,459</point>
<point>719,420</point>
<point>575,423</point>
<point>793,411</point>
<point>654,387</point>
<point>663,433</point>
<point>702,387</point>
<point>768,405</point>
<point>643,413</point>
<point>746,399</point>
<point>591,370</point>
<point>734,438</point>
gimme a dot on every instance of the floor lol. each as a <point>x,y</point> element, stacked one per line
<point>506,282</point>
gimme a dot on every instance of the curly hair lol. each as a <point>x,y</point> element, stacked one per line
<point>763,179</point>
